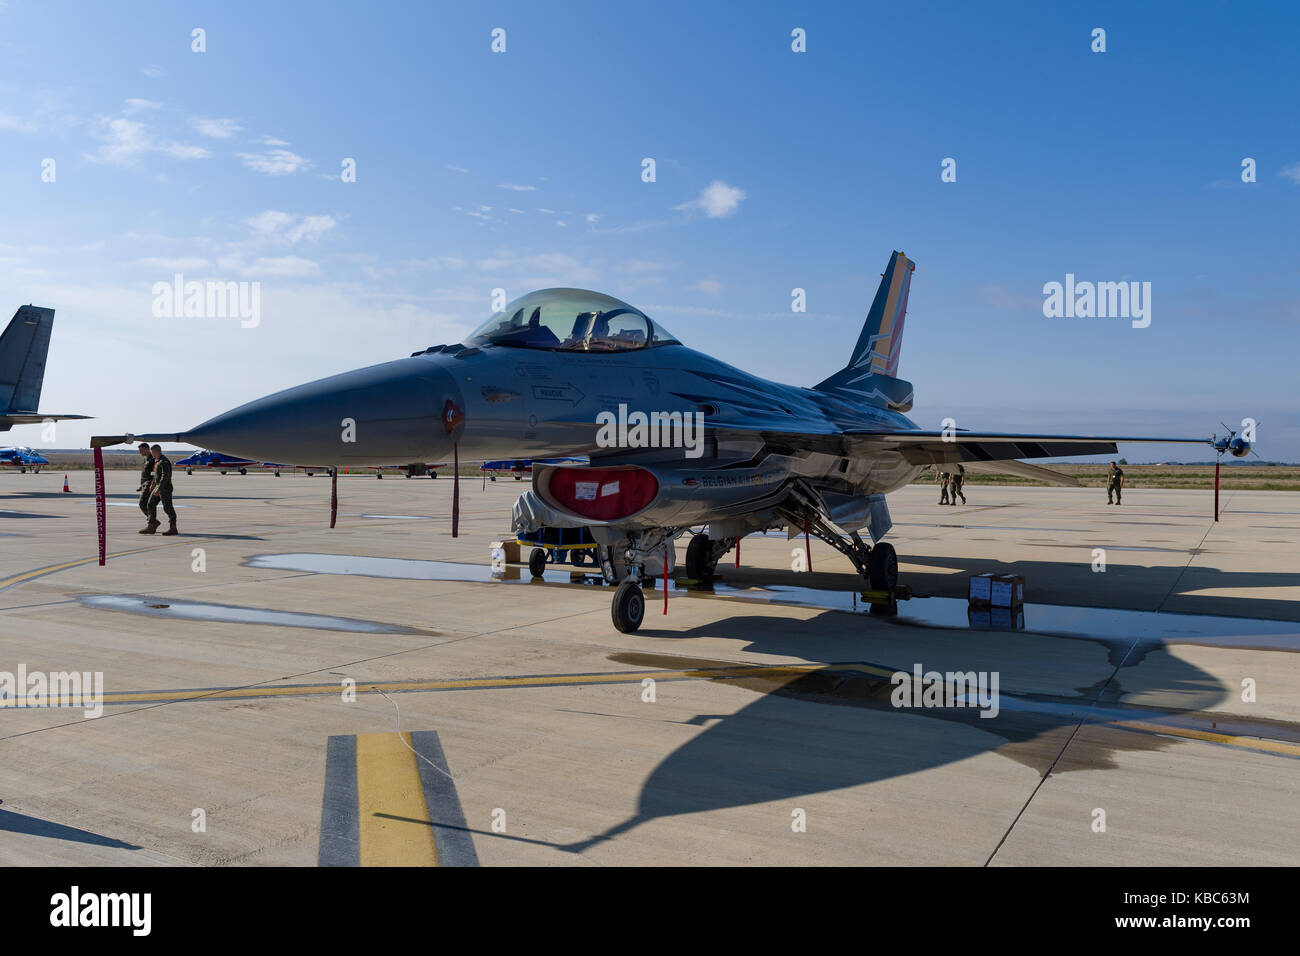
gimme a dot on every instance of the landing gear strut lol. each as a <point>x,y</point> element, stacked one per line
<point>878,565</point>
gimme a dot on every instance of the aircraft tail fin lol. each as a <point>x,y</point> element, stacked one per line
<point>872,372</point>
<point>23,348</point>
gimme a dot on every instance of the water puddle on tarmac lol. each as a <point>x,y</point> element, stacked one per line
<point>1106,624</point>
<point>235,614</point>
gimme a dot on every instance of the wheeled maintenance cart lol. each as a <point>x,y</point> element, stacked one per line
<point>560,546</point>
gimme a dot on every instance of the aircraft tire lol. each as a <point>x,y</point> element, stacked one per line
<point>698,567</point>
<point>882,565</point>
<point>628,607</point>
<point>537,562</point>
<point>243,471</point>
<point>433,474</point>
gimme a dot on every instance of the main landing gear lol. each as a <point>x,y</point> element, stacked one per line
<point>702,556</point>
<point>878,565</point>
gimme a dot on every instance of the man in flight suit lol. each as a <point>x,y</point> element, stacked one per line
<point>146,478</point>
<point>958,479</point>
<point>944,478</point>
<point>1115,484</point>
<point>162,493</point>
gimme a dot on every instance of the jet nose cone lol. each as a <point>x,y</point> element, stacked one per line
<point>385,414</point>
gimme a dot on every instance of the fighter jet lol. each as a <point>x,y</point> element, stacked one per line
<point>217,461</point>
<point>521,466</point>
<point>23,348</point>
<point>22,459</point>
<point>674,439</point>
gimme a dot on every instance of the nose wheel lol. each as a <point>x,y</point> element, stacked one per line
<point>628,608</point>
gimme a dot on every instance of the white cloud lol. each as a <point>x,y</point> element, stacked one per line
<point>1291,172</point>
<point>292,267</point>
<point>124,141</point>
<point>548,212</point>
<point>592,218</point>
<point>139,106</point>
<point>216,128</point>
<point>153,72</point>
<point>10,122</point>
<point>708,286</point>
<point>185,151</point>
<point>311,227</point>
<point>561,223</point>
<point>517,212</point>
<point>283,227</point>
<point>456,169</point>
<point>516,187</point>
<point>271,222</point>
<point>272,141</point>
<point>717,200</point>
<point>180,264</point>
<point>275,162</point>
<point>538,270</point>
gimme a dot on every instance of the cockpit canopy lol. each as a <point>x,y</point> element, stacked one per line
<point>571,320</point>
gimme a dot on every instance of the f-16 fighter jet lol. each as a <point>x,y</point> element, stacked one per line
<point>674,439</point>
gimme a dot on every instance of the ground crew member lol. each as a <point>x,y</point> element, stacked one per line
<point>944,478</point>
<point>162,493</point>
<point>958,479</point>
<point>146,477</point>
<point>1115,484</point>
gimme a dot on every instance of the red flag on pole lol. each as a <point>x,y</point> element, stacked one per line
<point>99,504</point>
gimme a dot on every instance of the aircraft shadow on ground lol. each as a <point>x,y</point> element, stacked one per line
<point>1074,582</point>
<point>1122,586</point>
<point>12,822</point>
<point>830,730</point>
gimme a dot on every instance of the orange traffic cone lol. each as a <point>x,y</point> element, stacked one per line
<point>65,484</point>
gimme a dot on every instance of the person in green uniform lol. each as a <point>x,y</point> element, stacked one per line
<point>1115,484</point>
<point>162,493</point>
<point>957,481</point>
<point>146,478</point>
<point>944,480</point>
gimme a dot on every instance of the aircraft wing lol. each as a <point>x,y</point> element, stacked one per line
<point>948,448</point>
<point>924,447</point>
<point>1021,469</point>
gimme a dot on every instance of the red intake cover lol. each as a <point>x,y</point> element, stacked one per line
<point>603,494</point>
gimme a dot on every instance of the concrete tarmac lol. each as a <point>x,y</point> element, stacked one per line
<point>274,695</point>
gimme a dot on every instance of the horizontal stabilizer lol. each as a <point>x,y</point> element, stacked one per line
<point>35,419</point>
<point>103,441</point>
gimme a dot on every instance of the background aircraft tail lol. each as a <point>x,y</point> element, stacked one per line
<point>23,347</point>
<point>872,372</point>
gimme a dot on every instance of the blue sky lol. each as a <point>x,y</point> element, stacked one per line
<point>479,170</point>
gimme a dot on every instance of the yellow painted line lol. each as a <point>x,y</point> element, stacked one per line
<point>392,815</point>
<point>480,683</point>
<point>1253,743</point>
<point>41,572</point>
